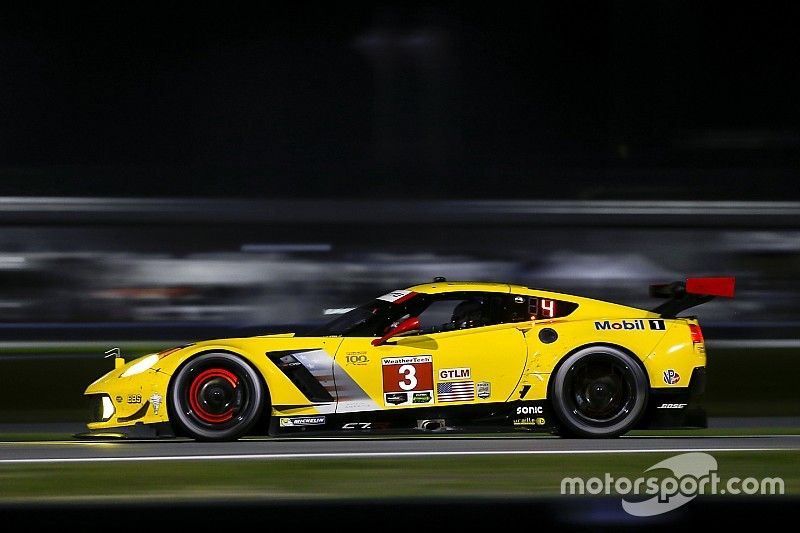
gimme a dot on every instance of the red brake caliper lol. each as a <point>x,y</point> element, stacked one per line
<point>194,389</point>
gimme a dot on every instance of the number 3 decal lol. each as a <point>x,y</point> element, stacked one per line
<point>409,374</point>
<point>407,380</point>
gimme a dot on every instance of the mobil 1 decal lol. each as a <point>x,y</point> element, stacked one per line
<point>637,324</point>
<point>407,380</point>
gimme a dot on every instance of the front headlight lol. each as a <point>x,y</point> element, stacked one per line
<point>140,366</point>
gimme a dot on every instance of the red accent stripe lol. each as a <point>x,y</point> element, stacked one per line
<point>405,298</point>
<point>162,355</point>
<point>711,286</point>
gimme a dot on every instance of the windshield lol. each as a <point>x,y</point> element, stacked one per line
<point>373,319</point>
<point>362,318</point>
<point>437,313</point>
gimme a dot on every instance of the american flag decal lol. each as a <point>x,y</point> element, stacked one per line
<point>455,391</point>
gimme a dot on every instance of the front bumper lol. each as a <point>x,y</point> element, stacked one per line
<point>116,402</point>
<point>137,431</point>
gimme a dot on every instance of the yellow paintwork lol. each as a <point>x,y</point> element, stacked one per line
<point>510,357</point>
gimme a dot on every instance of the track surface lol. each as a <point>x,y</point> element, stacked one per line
<point>348,447</point>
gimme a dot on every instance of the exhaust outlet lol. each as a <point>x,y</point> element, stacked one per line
<point>431,425</point>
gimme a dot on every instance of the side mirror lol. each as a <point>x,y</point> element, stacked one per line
<point>409,324</point>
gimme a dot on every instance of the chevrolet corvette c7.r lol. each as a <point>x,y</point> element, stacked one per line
<point>441,356</point>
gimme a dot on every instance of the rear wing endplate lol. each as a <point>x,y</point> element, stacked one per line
<point>692,292</point>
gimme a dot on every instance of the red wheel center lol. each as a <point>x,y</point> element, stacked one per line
<point>211,394</point>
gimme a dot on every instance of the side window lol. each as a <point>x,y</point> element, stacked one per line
<point>437,314</point>
<point>465,310</point>
<point>459,311</point>
<point>518,309</point>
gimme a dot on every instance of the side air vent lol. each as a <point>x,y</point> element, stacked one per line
<point>299,375</point>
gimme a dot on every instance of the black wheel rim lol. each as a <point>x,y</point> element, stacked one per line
<point>600,390</point>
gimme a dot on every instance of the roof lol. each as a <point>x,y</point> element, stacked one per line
<point>588,306</point>
<point>457,286</point>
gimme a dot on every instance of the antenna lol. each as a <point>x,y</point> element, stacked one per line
<point>113,351</point>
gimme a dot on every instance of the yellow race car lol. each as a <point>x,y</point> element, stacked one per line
<point>435,357</point>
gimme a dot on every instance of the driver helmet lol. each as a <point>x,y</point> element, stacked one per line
<point>468,314</point>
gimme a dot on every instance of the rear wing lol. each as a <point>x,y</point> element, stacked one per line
<point>692,292</point>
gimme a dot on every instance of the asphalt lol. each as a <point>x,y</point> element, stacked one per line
<point>726,422</point>
<point>354,448</point>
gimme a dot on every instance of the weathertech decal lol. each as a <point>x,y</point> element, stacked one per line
<point>630,325</point>
<point>405,375</point>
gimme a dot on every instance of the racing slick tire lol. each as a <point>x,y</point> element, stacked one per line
<point>599,391</point>
<point>216,397</point>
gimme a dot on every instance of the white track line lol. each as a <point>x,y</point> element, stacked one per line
<point>754,343</point>
<point>530,438</point>
<point>368,455</point>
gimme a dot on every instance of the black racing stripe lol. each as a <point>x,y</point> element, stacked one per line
<point>300,376</point>
<point>138,414</point>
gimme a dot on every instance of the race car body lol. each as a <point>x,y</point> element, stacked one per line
<point>434,357</point>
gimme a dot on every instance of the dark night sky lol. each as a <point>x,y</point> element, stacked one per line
<point>560,100</point>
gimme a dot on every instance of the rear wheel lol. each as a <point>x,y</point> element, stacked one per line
<point>216,396</point>
<point>599,391</point>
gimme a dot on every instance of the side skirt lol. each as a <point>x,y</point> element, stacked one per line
<point>524,416</point>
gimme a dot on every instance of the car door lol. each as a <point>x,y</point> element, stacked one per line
<point>465,366</point>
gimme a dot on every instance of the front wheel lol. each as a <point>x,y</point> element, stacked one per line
<point>216,397</point>
<point>599,391</point>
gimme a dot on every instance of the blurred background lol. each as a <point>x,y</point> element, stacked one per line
<point>176,172</point>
